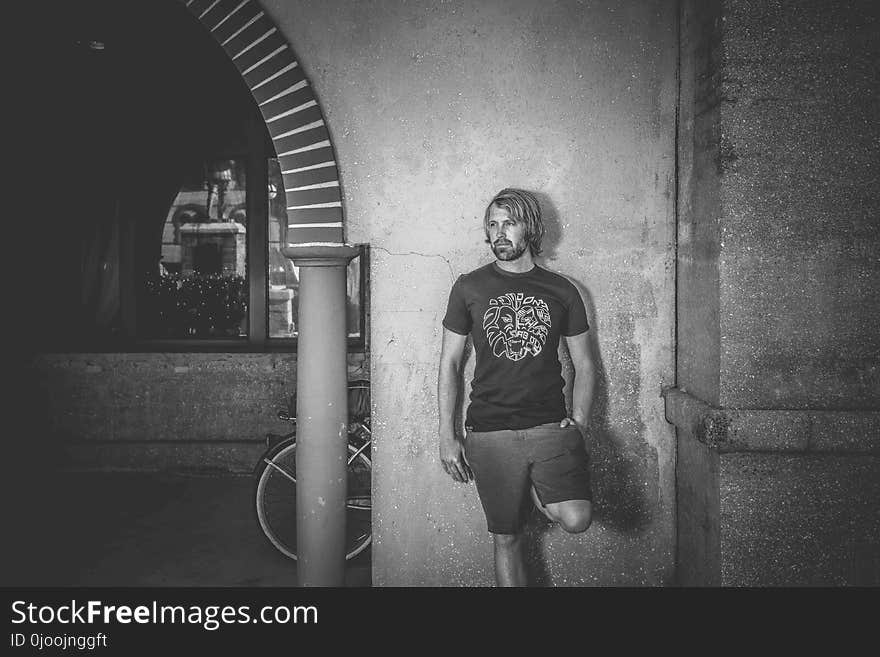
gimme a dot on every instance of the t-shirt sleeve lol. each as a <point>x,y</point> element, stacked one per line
<point>576,317</point>
<point>457,319</point>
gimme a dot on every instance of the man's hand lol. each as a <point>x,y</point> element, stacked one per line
<point>567,422</point>
<point>584,382</point>
<point>453,459</point>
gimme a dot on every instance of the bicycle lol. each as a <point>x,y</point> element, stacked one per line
<point>276,480</point>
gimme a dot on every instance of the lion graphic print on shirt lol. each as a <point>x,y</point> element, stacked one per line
<point>516,325</point>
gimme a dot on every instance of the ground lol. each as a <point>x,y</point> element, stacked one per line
<point>144,530</point>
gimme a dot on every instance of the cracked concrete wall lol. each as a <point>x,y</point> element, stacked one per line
<point>433,107</point>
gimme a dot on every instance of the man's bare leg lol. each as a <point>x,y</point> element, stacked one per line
<point>575,516</point>
<point>510,565</point>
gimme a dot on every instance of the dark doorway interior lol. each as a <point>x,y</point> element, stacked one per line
<point>207,258</point>
<point>143,95</point>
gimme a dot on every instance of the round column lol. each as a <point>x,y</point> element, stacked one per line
<point>322,413</point>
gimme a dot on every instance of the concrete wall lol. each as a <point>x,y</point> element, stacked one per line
<point>806,519</point>
<point>778,398</point>
<point>433,107</point>
<point>164,411</point>
<point>777,155</point>
<point>799,154</point>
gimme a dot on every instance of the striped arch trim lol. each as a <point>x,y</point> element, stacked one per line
<point>295,121</point>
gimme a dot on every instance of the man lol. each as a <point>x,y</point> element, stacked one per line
<point>521,445</point>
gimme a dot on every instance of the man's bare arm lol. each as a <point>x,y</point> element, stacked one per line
<point>584,378</point>
<point>448,385</point>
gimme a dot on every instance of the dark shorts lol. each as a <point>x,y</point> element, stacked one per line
<point>506,463</point>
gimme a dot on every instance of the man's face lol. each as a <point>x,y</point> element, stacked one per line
<point>507,236</point>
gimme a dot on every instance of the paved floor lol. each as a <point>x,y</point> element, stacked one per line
<point>145,529</point>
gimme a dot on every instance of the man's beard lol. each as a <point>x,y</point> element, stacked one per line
<point>509,252</point>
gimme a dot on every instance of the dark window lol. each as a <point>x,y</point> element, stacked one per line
<point>199,288</point>
<point>160,234</point>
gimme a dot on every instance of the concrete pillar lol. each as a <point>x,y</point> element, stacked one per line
<point>322,413</point>
<point>777,397</point>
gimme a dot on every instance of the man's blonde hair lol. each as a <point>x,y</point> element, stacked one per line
<point>521,206</point>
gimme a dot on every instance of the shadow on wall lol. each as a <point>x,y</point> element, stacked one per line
<point>617,466</point>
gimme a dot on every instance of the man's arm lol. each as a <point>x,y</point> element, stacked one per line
<point>584,379</point>
<point>448,384</point>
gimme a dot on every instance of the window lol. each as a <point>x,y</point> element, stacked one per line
<point>161,234</point>
<point>199,287</point>
<point>203,272</point>
<point>199,293</point>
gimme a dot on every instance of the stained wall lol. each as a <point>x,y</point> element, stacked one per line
<point>433,107</point>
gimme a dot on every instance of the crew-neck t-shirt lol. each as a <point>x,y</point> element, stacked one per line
<point>515,320</point>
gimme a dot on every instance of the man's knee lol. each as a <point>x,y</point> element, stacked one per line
<point>575,516</point>
<point>576,524</point>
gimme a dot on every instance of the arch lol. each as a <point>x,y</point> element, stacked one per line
<point>292,114</point>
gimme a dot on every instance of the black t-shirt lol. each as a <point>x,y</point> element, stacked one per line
<point>515,321</point>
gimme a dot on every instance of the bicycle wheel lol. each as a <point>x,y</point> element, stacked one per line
<point>276,500</point>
